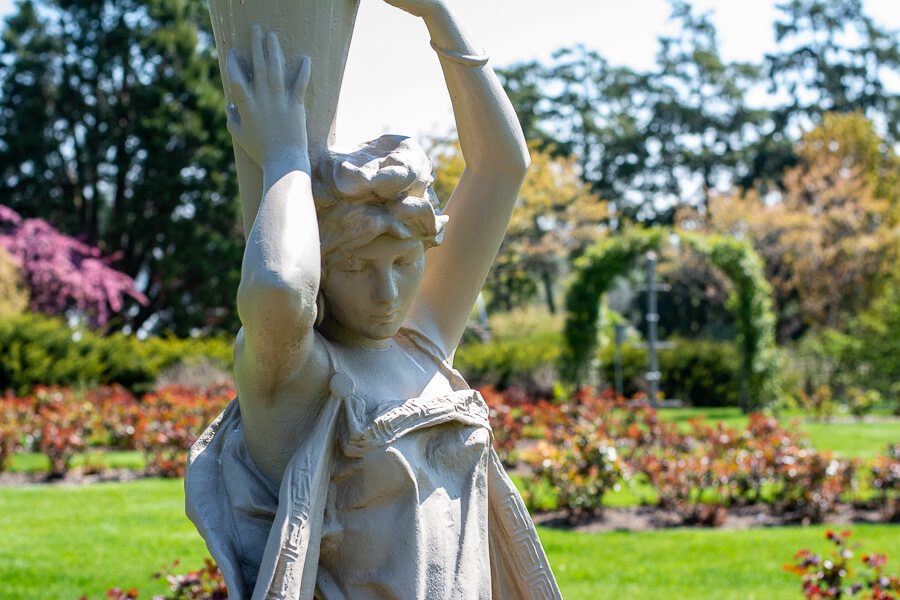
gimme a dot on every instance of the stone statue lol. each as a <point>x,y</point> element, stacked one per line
<point>356,462</point>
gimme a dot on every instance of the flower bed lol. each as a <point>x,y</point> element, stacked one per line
<point>585,446</point>
<point>62,424</point>
<point>576,450</point>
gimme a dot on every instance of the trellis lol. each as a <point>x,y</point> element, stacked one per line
<point>750,302</point>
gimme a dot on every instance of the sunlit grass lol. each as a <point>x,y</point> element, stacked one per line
<point>693,564</point>
<point>36,463</point>
<point>60,542</point>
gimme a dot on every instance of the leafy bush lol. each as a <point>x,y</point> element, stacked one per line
<point>36,350</point>
<point>527,362</point>
<point>886,481</point>
<point>60,427</point>
<point>62,424</point>
<point>15,415</point>
<point>579,448</point>
<point>523,352</point>
<point>819,403</point>
<point>861,402</point>
<point>206,583</point>
<point>62,272</point>
<point>698,372</point>
<point>171,420</point>
<point>580,471</point>
<point>835,577</point>
<point>13,293</point>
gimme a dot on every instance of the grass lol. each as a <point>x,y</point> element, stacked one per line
<point>36,463</point>
<point>60,542</point>
<point>79,540</point>
<point>693,564</point>
<point>860,440</point>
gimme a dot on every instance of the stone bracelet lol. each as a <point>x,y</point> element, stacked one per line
<point>469,60</point>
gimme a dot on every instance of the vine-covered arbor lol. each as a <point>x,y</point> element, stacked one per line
<point>749,301</point>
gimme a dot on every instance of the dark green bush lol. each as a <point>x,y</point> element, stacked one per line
<point>39,350</point>
<point>697,372</point>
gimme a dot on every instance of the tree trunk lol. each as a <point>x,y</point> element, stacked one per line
<point>548,290</point>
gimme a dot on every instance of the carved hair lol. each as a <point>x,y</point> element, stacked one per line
<point>381,187</point>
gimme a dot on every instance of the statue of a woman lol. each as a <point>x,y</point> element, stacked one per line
<point>356,463</point>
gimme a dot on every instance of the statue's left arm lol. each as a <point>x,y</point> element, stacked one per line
<point>496,159</point>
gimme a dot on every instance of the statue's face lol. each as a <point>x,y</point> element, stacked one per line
<point>370,292</point>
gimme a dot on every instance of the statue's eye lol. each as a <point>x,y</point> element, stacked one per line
<point>406,260</point>
<point>349,265</point>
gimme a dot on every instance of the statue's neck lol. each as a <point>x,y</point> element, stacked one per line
<point>335,332</point>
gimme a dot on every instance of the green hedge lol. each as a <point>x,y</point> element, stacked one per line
<point>697,372</point>
<point>39,350</point>
<point>528,362</point>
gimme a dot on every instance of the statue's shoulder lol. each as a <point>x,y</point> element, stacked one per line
<point>413,339</point>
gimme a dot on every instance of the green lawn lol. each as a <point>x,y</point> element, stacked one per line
<point>693,564</point>
<point>860,440</point>
<point>36,463</point>
<point>60,542</point>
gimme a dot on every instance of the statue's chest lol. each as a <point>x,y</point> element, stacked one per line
<point>381,379</point>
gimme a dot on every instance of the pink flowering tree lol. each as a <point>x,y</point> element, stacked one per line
<point>63,273</point>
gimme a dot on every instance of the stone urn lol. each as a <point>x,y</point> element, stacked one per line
<point>320,29</point>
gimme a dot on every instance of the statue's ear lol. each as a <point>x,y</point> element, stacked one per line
<point>320,307</point>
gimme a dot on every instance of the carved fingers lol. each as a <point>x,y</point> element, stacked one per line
<point>267,116</point>
<point>301,82</point>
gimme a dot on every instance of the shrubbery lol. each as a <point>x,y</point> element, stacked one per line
<point>697,372</point>
<point>528,362</point>
<point>835,576</point>
<point>62,424</point>
<point>580,447</point>
<point>886,481</point>
<point>523,351</point>
<point>206,583</point>
<point>40,351</point>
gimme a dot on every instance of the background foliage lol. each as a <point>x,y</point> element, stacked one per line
<point>37,350</point>
<point>749,301</point>
<point>112,127</point>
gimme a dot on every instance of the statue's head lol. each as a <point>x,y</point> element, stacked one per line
<point>377,216</point>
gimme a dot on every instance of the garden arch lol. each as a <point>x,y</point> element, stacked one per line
<point>750,302</point>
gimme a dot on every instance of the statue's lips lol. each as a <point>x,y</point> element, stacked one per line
<point>388,317</point>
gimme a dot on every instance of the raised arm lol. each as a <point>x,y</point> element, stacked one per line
<point>280,272</point>
<point>496,161</point>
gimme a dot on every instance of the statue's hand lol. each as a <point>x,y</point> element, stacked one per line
<point>268,118</point>
<point>418,8</point>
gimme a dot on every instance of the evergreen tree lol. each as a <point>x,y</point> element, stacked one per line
<point>112,128</point>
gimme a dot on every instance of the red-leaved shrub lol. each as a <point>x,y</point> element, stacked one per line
<point>834,576</point>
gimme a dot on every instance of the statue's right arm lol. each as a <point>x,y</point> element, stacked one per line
<point>280,273</point>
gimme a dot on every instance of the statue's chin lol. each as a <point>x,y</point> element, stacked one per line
<point>367,335</point>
